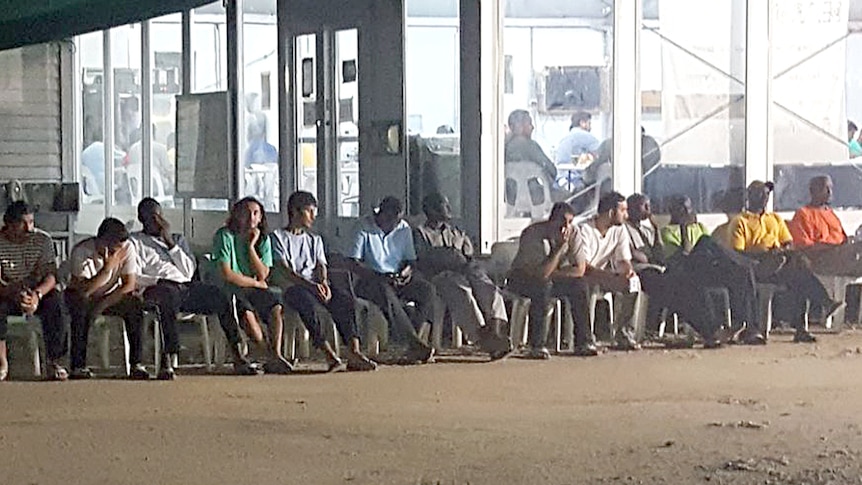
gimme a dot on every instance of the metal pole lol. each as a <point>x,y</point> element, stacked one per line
<point>146,111</point>
<point>108,120</point>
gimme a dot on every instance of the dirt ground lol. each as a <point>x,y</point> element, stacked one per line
<point>781,414</point>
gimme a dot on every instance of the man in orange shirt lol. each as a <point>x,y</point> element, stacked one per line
<point>817,230</point>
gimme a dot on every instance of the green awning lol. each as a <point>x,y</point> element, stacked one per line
<point>24,22</point>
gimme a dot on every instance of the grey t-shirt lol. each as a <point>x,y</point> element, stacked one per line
<point>301,252</point>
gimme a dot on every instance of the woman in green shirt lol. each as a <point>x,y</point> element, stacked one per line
<point>243,254</point>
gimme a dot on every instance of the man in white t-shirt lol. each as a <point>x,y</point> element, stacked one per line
<point>602,255</point>
<point>103,282</point>
<point>300,258</point>
<point>166,275</point>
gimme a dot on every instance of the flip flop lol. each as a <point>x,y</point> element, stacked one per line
<point>361,365</point>
<point>336,365</point>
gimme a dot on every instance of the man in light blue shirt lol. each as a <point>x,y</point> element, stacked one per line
<point>384,254</point>
<point>579,142</point>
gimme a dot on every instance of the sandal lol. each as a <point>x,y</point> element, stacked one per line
<point>336,365</point>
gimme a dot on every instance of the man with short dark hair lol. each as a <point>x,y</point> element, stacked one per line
<point>520,146</point>
<point>579,147</point>
<point>445,254</point>
<point>643,231</point>
<point>542,270</point>
<point>166,270</point>
<point>103,281</point>
<point>384,254</point>
<point>28,283</point>
<point>300,258</point>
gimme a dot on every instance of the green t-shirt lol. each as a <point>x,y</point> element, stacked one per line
<point>672,237</point>
<point>233,249</point>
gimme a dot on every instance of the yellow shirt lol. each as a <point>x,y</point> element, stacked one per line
<point>758,232</point>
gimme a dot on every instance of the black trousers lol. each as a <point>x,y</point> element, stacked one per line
<point>50,312</point>
<point>130,309</point>
<point>709,266</point>
<point>391,299</point>
<point>341,306</point>
<point>170,298</point>
<point>540,292</point>
<point>800,281</point>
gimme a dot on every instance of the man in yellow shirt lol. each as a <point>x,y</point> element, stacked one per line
<point>764,236</point>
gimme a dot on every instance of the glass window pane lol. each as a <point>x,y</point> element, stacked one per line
<point>126,64</point>
<point>347,116</point>
<point>92,169</point>
<point>258,149</point>
<point>209,66</point>
<point>433,81</point>
<point>558,103</point>
<point>814,58</point>
<point>693,107</point>
<point>209,48</point>
<point>306,112</point>
<point>166,41</point>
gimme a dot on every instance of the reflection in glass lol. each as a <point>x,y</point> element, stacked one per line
<point>693,107</point>
<point>347,116</point>
<point>258,146</point>
<point>558,103</point>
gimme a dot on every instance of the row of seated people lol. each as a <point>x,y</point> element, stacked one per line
<point>755,245</point>
<point>125,275</point>
<point>118,274</point>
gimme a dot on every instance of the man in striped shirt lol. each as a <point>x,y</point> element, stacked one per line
<point>27,284</point>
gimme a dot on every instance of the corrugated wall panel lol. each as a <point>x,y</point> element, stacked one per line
<point>30,107</point>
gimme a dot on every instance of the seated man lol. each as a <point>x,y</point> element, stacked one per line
<point>299,256</point>
<point>696,263</point>
<point>817,231</point>
<point>103,282</point>
<point>765,237</point>
<point>643,231</point>
<point>166,269</point>
<point>383,254</point>
<point>603,257</point>
<point>28,283</point>
<point>542,270</point>
<point>520,146</point>
<point>445,254</point>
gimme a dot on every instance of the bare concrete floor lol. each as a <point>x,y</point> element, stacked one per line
<point>782,414</point>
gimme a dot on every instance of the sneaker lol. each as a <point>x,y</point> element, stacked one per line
<point>56,372</point>
<point>586,350</point>
<point>627,344</point>
<point>81,373</point>
<point>498,347</point>
<point>166,374</point>
<point>540,353</point>
<point>420,353</point>
<point>753,338</point>
<point>139,373</point>
<point>279,365</point>
<point>804,337</point>
<point>245,368</point>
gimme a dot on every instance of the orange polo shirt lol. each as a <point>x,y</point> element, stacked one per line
<point>816,225</point>
<point>758,232</point>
